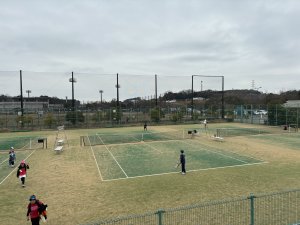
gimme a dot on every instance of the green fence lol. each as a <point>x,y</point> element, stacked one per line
<point>281,208</point>
<point>165,113</point>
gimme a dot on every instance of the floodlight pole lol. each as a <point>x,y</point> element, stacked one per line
<point>118,104</point>
<point>192,113</point>
<point>73,100</point>
<point>156,90</point>
<point>73,80</point>
<point>201,88</point>
<point>21,92</point>
<point>28,92</point>
<point>117,90</point>
<point>21,96</point>
<point>101,92</point>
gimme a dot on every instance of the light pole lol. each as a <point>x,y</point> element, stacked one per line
<point>118,104</point>
<point>21,95</point>
<point>28,92</point>
<point>73,80</point>
<point>101,92</point>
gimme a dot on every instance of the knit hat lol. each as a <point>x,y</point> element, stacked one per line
<point>32,197</point>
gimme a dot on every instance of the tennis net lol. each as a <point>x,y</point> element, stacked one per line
<point>28,142</point>
<point>107,139</point>
<point>241,131</point>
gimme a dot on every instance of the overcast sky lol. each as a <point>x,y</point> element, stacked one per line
<point>242,40</point>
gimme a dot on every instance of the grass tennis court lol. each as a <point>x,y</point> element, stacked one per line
<point>5,170</point>
<point>157,158</point>
<point>18,142</point>
<point>290,141</point>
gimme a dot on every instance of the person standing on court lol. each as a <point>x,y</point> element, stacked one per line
<point>145,126</point>
<point>205,124</point>
<point>12,157</point>
<point>22,171</point>
<point>182,162</point>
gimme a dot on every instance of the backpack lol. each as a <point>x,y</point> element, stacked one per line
<point>42,208</point>
<point>12,156</point>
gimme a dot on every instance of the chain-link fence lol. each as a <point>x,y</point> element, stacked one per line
<point>281,208</point>
<point>146,111</point>
<point>273,115</point>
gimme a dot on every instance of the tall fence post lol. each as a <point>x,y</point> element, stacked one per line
<point>251,197</point>
<point>160,213</point>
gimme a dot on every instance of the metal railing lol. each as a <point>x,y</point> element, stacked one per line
<point>281,208</point>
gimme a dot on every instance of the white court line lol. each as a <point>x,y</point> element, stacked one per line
<point>95,159</point>
<point>220,154</point>
<point>15,168</point>
<point>112,155</point>
<point>213,168</point>
<point>156,149</point>
<point>3,161</point>
<point>250,157</point>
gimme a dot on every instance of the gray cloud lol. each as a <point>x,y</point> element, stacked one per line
<point>242,40</point>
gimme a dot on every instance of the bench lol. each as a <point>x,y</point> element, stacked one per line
<point>216,138</point>
<point>59,148</point>
<point>60,142</point>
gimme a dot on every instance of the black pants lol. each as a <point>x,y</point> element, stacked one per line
<point>23,180</point>
<point>183,167</point>
<point>35,221</point>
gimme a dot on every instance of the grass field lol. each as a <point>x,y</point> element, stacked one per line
<point>84,184</point>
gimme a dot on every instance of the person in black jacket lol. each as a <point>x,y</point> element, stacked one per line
<point>12,157</point>
<point>22,171</point>
<point>182,162</point>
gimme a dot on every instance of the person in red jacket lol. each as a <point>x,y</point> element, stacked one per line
<point>22,170</point>
<point>35,210</point>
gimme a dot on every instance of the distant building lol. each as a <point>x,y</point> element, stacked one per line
<point>28,106</point>
<point>292,104</point>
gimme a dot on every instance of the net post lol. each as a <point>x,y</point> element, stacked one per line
<point>81,140</point>
<point>251,197</point>
<point>160,213</point>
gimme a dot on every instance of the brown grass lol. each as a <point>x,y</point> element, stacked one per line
<point>69,182</point>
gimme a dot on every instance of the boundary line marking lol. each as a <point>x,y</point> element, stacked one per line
<point>212,168</point>
<point>250,157</point>
<point>3,161</point>
<point>95,159</point>
<point>112,155</point>
<point>218,153</point>
<point>156,149</point>
<point>16,167</point>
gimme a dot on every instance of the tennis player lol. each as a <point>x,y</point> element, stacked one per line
<point>22,171</point>
<point>182,162</point>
